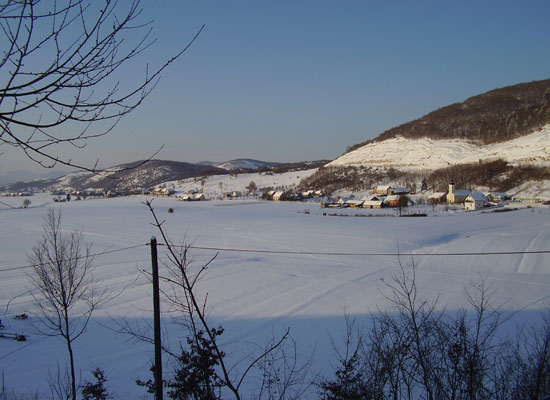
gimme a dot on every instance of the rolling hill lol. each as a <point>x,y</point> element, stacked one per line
<point>511,123</point>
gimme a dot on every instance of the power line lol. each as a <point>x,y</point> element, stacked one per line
<point>77,258</point>
<point>309,253</point>
<point>328,253</point>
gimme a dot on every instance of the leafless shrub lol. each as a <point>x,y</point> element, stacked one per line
<point>415,350</point>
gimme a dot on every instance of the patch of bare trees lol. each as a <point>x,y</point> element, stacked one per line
<point>415,351</point>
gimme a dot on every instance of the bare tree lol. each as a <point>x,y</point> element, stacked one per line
<point>65,294</point>
<point>59,70</point>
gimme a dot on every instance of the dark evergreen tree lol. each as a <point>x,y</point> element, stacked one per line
<point>97,390</point>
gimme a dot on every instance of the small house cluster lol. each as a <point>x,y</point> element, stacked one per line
<point>191,195</point>
<point>292,196</point>
<point>382,196</point>
<point>470,200</point>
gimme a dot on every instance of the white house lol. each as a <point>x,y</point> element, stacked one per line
<point>475,201</point>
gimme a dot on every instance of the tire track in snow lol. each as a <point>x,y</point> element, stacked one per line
<point>313,285</point>
<point>526,262</point>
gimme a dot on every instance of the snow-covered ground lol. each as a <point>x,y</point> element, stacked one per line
<point>258,295</point>
<point>430,154</point>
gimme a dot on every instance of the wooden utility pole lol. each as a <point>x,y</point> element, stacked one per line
<point>156,313</point>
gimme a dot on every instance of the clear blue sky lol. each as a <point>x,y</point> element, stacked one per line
<point>302,80</point>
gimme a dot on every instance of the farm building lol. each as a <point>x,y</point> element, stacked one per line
<point>475,201</point>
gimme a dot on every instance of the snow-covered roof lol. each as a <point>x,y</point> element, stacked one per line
<point>499,194</point>
<point>461,192</point>
<point>372,203</point>
<point>437,195</point>
<point>477,196</point>
<point>369,198</point>
<point>392,198</point>
<point>383,187</point>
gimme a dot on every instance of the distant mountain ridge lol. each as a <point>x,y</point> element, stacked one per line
<point>493,117</point>
<point>154,172</point>
<point>245,163</point>
<point>131,175</point>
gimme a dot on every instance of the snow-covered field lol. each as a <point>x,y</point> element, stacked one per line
<point>257,295</point>
<point>430,154</point>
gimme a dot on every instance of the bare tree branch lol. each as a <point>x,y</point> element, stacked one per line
<point>59,73</point>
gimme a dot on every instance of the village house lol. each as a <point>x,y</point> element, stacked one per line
<point>475,201</point>
<point>385,190</point>
<point>370,198</point>
<point>437,198</point>
<point>199,197</point>
<point>396,200</point>
<point>277,195</point>
<point>498,197</point>
<point>372,204</point>
<point>355,203</point>
<point>342,201</point>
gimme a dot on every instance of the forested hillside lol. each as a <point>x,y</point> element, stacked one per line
<point>496,116</point>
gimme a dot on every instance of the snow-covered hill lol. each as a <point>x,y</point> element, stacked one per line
<point>245,163</point>
<point>430,154</point>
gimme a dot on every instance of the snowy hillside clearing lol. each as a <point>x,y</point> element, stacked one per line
<point>215,186</point>
<point>430,154</point>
